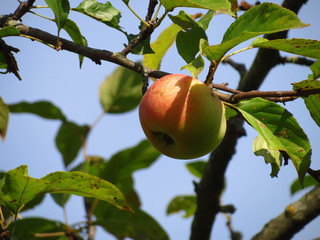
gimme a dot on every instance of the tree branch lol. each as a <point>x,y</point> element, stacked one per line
<point>293,219</point>
<point>23,8</point>
<point>275,96</point>
<point>210,187</point>
<point>94,54</point>
<point>298,60</point>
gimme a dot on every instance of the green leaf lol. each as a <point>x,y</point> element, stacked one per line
<point>74,32</point>
<point>70,139</point>
<point>27,228</point>
<point>188,204</point>
<point>197,168</point>
<point>124,163</point>
<point>161,46</point>
<point>187,43</point>
<point>274,157</point>
<point>85,185</point>
<point>306,85</point>
<point>265,18</point>
<point>206,19</point>
<point>222,6</point>
<point>313,104</point>
<point>4,119</point>
<point>9,31</point>
<point>184,20</point>
<point>195,67</point>
<point>307,182</point>
<point>104,13</point>
<point>315,68</point>
<point>17,188</point>
<point>121,91</point>
<point>230,112</point>
<point>60,198</point>
<point>299,46</point>
<point>279,129</point>
<point>42,109</point>
<point>137,225</point>
<point>312,101</point>
<point>61,9</point>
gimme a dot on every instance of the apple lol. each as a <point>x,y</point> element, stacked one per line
<point>181,117</point>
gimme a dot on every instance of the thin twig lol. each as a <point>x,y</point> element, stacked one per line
<point>240,67</point>
<point>298,60</point>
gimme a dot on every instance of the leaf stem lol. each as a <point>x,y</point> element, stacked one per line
<point>160,19</point>
<point>156,14</point>
<point>234,53</point>
<point>144,22</point>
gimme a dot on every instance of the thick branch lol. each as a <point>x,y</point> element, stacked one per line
<point>94,54</point>
<point>293,219</point>
<point>210,187</point>
<point>23,8</point>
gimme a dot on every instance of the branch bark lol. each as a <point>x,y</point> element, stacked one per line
<point>210,187</point>
<point>293,219</point>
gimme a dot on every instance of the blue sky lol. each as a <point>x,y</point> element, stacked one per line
<point>56,77</point>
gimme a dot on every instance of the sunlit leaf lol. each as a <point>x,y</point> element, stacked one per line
<point>265,18</point>
<point>161,46</point>
<point>307,182</point>
<point>279,129</point>
<point>41,108</point>
<point>223,6</point>
<point>70,139</point>
<point>9,31</point>
<point>17,188</point>
<point>61,9</point>
<point>274,157</point>
<point>188,204</point>
<point>4,118</point>
<point>104,13</point>
<point>85,185</point>
<point>299,46</point>
<point>187,43</point>
<point>74,32</point>
<point>32,228</point>
<point>197,168</point>
<point>121,91</point>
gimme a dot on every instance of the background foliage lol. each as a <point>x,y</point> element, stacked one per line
<point>75,92</point>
